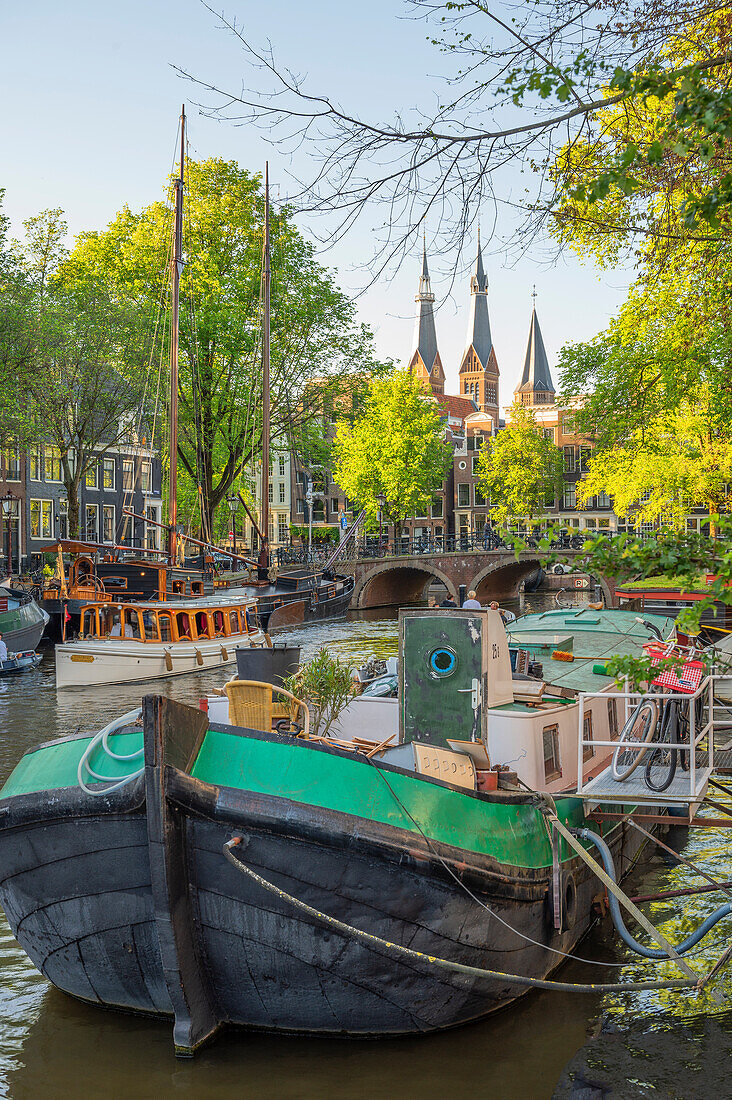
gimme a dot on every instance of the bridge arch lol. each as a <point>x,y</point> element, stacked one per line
<point>501,580</point>
<point>391,583</point>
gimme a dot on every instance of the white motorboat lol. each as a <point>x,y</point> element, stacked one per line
<point>121,643</point>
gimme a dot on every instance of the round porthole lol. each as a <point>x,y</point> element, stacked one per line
<point>443,661</point>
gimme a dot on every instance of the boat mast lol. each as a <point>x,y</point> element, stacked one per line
<point>265,364</point>
<point>176,269</point>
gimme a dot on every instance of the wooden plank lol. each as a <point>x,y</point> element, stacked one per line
<point>172,736</point>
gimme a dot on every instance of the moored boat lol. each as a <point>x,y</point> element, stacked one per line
<point>227,875</point>
<point>127,642</point>
<point>19,662</point>
<point>22,621</point>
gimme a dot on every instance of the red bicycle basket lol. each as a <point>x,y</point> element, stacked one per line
<point>684,678</point>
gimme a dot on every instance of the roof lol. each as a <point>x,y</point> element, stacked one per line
<point>425,336</point>
<point>479,326</point>
<point>537,376</point>
<point>456,406</point>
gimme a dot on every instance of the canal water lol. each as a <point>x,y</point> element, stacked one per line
<point>650,1044</point>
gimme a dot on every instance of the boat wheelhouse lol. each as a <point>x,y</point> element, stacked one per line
<point>122,642</point>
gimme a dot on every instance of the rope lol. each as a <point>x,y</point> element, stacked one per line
<point>101,738</point>
<point>445,964</point>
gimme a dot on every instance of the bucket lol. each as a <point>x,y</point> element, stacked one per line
<point>269,665</point>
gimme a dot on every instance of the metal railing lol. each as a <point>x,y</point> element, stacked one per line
<point>371,547</point>
<point>612,790</point>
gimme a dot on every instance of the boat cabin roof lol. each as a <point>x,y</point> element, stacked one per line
<point>197,603</point>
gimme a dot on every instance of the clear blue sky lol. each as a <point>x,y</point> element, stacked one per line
<point>90,106</point>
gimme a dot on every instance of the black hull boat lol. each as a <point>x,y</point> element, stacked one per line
<point>129,899</point>
<point>300,598</point>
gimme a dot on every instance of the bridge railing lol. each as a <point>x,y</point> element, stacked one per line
<point>371,546</point>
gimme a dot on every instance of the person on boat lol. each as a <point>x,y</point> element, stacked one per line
<point>448,602</point>
<point>263,562</point>
<point>116,631</point>
<point>471,604</point>
<point>3,650</point>
<point>504,614</point>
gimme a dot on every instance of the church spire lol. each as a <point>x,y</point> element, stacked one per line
<point>536,386</point>
<point>425,360</point>
<point>479,367</point>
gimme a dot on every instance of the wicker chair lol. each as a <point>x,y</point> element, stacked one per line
<point>252,704</point>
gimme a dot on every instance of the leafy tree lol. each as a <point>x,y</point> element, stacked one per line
<point>77,380</point>
<point>521,87</point>
<point>675,464</point>
<point>314,334</point>
<point>519,468</point>
<point>396,447</point>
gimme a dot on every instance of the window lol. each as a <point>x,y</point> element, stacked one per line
<point>152,534</point>
<point>92,476</point>
<point>567,425</point>
<point>41,517</point>
<point>475,463</point>
<point>334,504</point>
<point>549,499</point>
<point>108,473</point>
<point>479,498</point>
<point>282,465</point>
<point>463,496</point>
<point>436,510</point>
<point>612,718</point>
<point>53,464</point>
<point>603,500</point>
<point>146,476</point>
<point>128,473</point>
<point>35,463</point>
<point>568,459</point>
<point>549,434</point>
<point>552,763</point>
<point>491,394</point>
<point>282,492</point>
<point>270,493</point>
<point>283,529</point>
<point>90,522</point>
<point>587,750</point>
<point>11,460</point>
<point>108,523</point>
<point>300,506</point>
<point>585,454</point>
<point>569,497</point>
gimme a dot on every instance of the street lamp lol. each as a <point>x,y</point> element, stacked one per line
<point>8,509</point>
<point>233,501</point>
<point>381,501</point>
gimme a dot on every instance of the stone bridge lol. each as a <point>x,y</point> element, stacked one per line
<point>404,579</point>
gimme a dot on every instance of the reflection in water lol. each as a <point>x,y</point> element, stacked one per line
<point>50,1044</point>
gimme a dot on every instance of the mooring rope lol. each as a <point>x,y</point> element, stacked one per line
<point>446,964</point>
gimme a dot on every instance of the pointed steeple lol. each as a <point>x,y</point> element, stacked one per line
<point>536,386</point>
<point>479,325</point>
<point>479,367</point>
<point>425,358</point>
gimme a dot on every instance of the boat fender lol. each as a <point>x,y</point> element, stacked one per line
<point>569,903</point>
<point>168,661</point>
<point>199,658</point>
<point>224,653</point>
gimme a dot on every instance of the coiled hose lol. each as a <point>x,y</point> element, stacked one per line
<point>102,738</point>
<point>646,952</point>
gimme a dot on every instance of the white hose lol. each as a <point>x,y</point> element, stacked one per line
<point>101,739</point>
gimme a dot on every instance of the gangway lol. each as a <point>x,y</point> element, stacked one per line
<point>688,788</point>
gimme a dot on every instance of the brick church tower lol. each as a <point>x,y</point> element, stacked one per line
<point>479,367</point>
<point>425,362</point>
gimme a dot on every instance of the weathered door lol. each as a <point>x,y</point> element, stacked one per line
<point>441,676</point>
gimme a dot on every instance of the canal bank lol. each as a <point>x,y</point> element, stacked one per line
<point>52,1044</point>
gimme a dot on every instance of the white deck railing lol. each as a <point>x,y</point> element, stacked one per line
<point>606,788</point>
